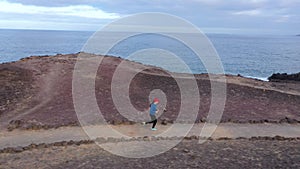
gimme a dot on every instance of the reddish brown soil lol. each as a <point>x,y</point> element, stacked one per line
<point>188,154</point>
<point>37,92</point>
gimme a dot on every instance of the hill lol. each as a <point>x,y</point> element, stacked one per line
<point>36,93</point>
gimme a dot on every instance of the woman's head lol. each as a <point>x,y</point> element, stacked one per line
<point>156,100</point>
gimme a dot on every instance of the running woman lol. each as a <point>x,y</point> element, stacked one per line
<point>153,111</point>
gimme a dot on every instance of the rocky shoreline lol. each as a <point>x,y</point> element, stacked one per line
<point>284,77</point>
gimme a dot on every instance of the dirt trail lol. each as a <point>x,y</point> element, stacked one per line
<point>46,94</point>
<point>24,138</point>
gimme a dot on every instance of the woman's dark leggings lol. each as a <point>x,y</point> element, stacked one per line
<point>153,120</point>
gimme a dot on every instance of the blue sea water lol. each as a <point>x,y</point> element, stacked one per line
<point>249,55</point>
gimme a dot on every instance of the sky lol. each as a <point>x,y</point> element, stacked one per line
<point>211,16</point>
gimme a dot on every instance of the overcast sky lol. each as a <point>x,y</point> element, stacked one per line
<point>211,16</point>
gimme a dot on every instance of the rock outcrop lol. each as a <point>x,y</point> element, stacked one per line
<point>284,77</point>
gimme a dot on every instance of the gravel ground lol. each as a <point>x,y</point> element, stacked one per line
<point>188,154</point>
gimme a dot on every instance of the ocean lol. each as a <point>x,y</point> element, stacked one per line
<point>256,56</point>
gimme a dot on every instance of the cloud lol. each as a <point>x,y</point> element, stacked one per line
<point>209,2</point>
<point>85,11</point>
<point>283,18</point>
<point>254,12</point>
<point>49,25</point>
<point>62,2</point>
<point>219,15</point>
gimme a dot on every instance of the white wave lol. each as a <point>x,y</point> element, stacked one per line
<point>258,78</point>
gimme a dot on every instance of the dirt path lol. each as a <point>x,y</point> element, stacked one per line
<point>222,154</point>
<point>46,94</point>
<point>24,138</point>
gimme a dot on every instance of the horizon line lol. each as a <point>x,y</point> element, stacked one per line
<point>205,32</point>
